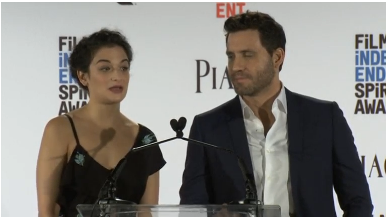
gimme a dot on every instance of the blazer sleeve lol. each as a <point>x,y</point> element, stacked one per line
<point>194,182</point>
<point>350,182</point>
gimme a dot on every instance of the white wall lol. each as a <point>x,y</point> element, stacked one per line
<point>167,39</point>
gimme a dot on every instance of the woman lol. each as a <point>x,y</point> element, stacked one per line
<point>79,150</point>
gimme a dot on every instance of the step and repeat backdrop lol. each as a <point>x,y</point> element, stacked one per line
<point>334,51</point>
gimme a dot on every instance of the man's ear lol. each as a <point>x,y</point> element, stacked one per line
<point>278,58</point>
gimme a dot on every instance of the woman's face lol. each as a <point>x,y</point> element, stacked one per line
<point>108,76</point>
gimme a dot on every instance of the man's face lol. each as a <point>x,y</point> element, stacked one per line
<point>250,66</point>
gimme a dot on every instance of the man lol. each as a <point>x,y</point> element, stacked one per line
<point>296,147</point>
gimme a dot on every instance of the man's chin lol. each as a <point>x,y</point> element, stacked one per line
<point>244,92</point>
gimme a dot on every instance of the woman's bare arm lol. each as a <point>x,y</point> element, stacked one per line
<point>151,193</point>
<point>51,159</point>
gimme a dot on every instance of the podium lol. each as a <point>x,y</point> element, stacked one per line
<point>125,210</point>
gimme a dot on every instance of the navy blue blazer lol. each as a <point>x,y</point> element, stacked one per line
<point>321,150</point>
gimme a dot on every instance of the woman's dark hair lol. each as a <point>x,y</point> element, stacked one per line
<point>85,50</point>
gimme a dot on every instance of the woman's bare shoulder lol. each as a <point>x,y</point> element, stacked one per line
<point>129,122</point>
<point>56,123</point>
<point>55,137</point>
<point>58,126</point>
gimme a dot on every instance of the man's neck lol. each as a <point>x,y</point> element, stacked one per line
<point>264,99</point>
<point>261,105</point>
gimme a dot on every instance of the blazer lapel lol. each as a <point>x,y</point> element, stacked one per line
<point>295,123</point>
<point>295,126</point>
<point>295,136</point>
<point>238,133</point>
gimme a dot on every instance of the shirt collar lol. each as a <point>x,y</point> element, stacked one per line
<point>280,102</point>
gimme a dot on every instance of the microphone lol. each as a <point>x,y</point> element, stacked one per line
<point>250,187</point>
<point>178,126</point>
<point>182,123</point>
<point>174,124</point>
<point>107,193</point>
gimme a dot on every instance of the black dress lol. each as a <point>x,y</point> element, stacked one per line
<point>83,177</point>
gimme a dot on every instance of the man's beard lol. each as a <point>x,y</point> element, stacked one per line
<point>258,83</point>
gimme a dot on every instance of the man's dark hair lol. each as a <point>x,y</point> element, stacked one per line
<point>271,33</point>
<point>85,50</point>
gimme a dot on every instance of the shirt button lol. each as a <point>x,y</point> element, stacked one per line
<point>268,151</point>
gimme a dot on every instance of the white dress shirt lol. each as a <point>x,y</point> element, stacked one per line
<point>270,155</point>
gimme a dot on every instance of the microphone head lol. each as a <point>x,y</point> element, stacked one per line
<point>182,123</point>
<point>174,125</point>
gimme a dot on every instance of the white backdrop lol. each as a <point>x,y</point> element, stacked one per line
<point>167,39</point>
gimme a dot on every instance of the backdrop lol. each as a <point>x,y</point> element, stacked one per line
<point>335,51</point>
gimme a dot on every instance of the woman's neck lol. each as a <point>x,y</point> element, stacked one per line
<point>102,114</point>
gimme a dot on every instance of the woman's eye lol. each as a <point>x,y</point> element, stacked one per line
<point>105,69</point>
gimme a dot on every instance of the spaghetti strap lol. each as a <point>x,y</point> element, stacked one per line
<point>73,129</point>
<point>83,177</point>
